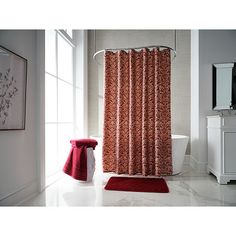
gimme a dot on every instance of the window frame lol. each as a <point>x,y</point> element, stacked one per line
<point>69,40</point>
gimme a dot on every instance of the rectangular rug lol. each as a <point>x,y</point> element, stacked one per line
<point>153,185</point>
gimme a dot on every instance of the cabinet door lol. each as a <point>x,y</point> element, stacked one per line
<point>229,152</point>
<point>214,149</point>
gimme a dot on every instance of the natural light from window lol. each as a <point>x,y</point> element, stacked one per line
<point>59,100</point>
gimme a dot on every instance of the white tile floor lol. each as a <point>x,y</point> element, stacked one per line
<point>186,189</point>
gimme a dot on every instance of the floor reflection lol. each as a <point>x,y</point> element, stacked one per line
<point>186,189</point>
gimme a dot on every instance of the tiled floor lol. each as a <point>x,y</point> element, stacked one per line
<point>186,189</point>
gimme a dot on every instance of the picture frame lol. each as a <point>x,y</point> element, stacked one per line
<point>13,86</point>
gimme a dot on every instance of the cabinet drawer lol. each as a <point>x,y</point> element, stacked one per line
<point>229,122</point>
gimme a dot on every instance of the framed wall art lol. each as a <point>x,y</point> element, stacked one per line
<point>13,79</point>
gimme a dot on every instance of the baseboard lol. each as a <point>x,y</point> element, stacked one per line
<point>198,166</point>
<point>19,195</point>
<point>187,159</point>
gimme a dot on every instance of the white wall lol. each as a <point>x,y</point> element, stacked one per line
<point>180,99</point>
<point>215,46</point>
<point>18,149</point>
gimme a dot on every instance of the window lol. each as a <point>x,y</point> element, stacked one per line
<point>69,32</point>
<point>60,100</point>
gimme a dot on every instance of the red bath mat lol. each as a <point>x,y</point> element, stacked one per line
<point>153,185</point>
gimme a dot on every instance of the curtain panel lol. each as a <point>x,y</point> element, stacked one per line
<point>137,112</point>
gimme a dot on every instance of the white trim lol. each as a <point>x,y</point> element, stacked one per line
<point>224,65</point>
<point>67,37</point>
<point>187,159</point>
<point>56,51</point>
<point>74,87</point>
<point>23,192</point>
<point>195,143</point>
<point>40,135</point>
<point>85,69</point>
<point>81,71</point>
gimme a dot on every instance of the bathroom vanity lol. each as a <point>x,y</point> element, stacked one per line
<point>221,132</point>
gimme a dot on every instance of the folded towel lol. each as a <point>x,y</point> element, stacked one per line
<point>84,142</point>
<point>76,164</point>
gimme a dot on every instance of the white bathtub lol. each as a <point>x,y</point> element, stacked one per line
<point>179,145</point>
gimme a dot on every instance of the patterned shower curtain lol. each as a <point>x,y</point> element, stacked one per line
<point>137,115</point>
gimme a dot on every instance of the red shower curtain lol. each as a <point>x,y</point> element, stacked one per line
<point>137,116</point>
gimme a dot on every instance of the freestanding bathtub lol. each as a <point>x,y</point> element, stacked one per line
<point>179,145</point>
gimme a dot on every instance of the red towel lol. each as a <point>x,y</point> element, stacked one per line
<point>76,164</point>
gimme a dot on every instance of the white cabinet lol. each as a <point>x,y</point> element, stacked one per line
<point>222,147</point>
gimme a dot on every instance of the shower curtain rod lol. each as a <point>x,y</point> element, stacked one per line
<point>115,49</point>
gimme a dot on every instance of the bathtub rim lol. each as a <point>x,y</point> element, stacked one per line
<point>179,136</point>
